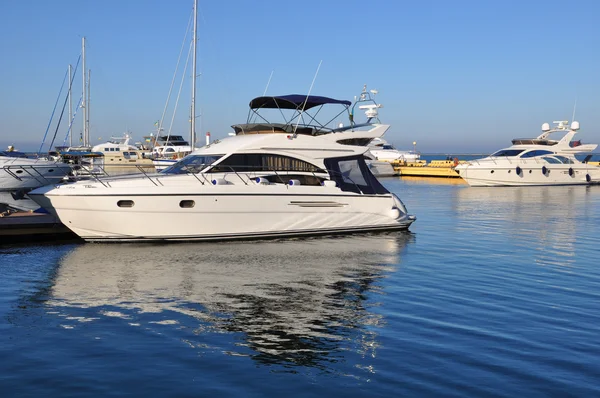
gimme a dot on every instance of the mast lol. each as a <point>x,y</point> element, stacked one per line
<point>87,113</point>
<point>84,94</point>
<point>195,39</point>
<point>70,106</point>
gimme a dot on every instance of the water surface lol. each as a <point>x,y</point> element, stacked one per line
<point>493,292</point>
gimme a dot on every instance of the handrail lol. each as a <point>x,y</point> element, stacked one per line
<point>202,177</point>
<point>26,168</point>
<point>141,169</point>
<point>94,176</point>
<point>193,174</point>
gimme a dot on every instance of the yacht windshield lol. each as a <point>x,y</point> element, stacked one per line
<point>557,159</point>
<point>564,159</point>
<point>192,164</point>
<point>536,152</point>
<point>507,153</point>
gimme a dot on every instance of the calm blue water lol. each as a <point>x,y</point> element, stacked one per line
<point>494,292</point>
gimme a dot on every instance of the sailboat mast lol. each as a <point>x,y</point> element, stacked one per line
<point>70,105</point>
<point>87,113</point>
<point>195,40</point>
<point>84,94</point>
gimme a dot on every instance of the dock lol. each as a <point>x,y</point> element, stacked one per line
<point>25,226</point>
<point>435,168</point>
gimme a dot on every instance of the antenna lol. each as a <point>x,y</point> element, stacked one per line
<point>269,82</point>
<point>307,95</point>
<point>574,108</point>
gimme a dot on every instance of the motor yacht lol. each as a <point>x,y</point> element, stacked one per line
<point>382,150</point>
<point>536,161</point>
<point>244,186</point>
<point>119,152</point>
<point>166,150</point>
<point>20,173</point>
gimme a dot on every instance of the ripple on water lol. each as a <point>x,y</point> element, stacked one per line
<point>493,293</point>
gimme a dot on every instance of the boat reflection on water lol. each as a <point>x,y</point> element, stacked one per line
<point>544,218</point>
<point>292,300</point>
<point>434,180</point>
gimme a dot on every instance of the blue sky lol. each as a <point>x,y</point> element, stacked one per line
<point>459,76</point>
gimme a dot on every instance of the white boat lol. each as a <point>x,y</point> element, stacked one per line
<point>244,186</point>
<point>19,174</point>
<point>166,150</point>
<point>119,152</point>
<point>384,151</point>
<point>536,161</point>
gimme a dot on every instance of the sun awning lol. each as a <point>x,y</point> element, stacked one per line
<point>294,101</point>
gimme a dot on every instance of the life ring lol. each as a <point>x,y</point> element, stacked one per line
<point>518,170</point>
<point>544,170</point>
<point>588,178</point>
<point>571,171</point>
<point>455,162</point>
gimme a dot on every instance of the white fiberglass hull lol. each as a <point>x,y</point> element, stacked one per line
<point>218,212</point>
<point>24,173</point>
<point>488,175</point>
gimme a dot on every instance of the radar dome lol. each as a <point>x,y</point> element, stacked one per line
<point>575,125</point>
<point>546,127</point>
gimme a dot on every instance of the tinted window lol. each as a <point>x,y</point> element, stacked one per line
<point>563,159</point>
<point>355,141</point>
<point>242,162</point>
<point>192,164</point>
<point>507,152</point>
<point>352,174</point>
<point>551,160</point>
<point>537,152</point>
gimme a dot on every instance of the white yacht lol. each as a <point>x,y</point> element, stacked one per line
<point>119,152</point>
<point>244,186</point>
<point>382,150</point>
<point>166,150</point>
<point>19,174</point>
<point>536,161</point>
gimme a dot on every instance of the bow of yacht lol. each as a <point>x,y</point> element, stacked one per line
<point>244,186</point>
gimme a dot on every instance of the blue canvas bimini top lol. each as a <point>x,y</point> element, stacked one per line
<point>294,101</point>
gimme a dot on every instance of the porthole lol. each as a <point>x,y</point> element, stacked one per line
<point>125,203</point>
<point>492,171</point>
<point>51,171</point>
<point>529,171</point>
<point>19,171</point>
<point>509,171</point>
<point>187,204</point>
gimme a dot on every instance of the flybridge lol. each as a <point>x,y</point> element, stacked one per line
<point>561,126</point>
<point>299,114</point>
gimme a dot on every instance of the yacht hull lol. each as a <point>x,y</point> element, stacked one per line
<point>22,173</point>
<point>219,213</point>
<point>529,175</point>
